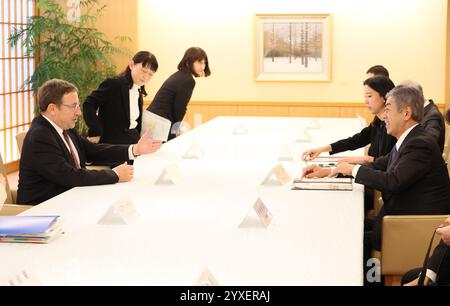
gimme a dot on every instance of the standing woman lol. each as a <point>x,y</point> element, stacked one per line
<point>113,112</point>
<point>172,98</point>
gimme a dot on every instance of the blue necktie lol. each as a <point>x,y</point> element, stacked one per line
<point>394,153</point>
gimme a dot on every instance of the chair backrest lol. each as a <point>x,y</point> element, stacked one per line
<point>405,241</point>
<point>9,198</point>
<point>19,139</point>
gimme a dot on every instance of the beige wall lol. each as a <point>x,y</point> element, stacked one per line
<point>406,36</point>
<point>120,19</point>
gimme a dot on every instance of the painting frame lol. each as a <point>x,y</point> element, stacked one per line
<point>274,55</point>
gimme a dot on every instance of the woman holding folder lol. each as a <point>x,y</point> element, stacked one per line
<point>113,112</point>
<point>172,98</point>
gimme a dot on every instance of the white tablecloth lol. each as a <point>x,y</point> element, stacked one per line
<point>316,237</point>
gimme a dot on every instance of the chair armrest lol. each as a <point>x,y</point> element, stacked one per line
<point>13,209</point>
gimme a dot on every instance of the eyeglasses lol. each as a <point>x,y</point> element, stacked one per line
<point>72,106</point>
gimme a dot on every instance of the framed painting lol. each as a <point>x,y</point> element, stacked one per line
<point>293,47</point>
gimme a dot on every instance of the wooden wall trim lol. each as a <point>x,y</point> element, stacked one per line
<point>440,105</point>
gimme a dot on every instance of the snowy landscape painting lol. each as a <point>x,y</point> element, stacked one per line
<point>293,47</point>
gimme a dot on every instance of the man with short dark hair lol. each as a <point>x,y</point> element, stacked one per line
<point>377,70</point>
<point>54,155</point>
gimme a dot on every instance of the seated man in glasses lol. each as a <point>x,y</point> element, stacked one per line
<point>54,156</point>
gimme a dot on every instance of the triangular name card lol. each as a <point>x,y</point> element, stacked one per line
<point>121,212</point>
<point>277,176</point>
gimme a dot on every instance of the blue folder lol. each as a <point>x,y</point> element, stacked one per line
<point>16,225</point>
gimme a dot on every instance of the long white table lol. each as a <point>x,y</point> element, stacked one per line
<point>316,237</point>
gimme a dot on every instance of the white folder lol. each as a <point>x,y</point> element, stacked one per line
<point>159,126</point>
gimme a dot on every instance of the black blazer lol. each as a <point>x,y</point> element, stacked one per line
<point>46,166</point>
<point>374,134</point>
<point>434,124</point>
<point>415,183</point>
<point>112,101</point>
<point>172,98</point>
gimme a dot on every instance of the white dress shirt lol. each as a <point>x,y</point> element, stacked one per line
<point>134,106</point>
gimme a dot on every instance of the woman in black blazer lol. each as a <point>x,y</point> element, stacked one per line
<point>172,98</point>
<point>113,112</point>
<point>375,134</point>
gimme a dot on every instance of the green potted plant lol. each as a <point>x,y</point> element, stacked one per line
<point>67,46</point>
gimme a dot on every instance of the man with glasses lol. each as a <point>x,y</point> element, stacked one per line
<point>54,155</point>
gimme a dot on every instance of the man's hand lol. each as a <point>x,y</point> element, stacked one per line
<point>94,139</point>
<point>315,172</point>
<point>343,168</point>
<point>125,172</point>
<point>444,231</point>
<point>146,145</point>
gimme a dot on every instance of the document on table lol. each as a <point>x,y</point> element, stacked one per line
<point>323,184</point>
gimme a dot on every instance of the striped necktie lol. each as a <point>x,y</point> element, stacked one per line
<point>72,153</point>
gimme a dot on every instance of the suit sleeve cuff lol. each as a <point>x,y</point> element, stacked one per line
<point>355,170</point>
<point>117,174</point>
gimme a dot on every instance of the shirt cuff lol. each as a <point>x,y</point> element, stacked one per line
<point>118,178</point>
<point>431,275</point>
<point>130,153</point>
<point>355,170</point>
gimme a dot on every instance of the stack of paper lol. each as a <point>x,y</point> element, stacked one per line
<point>33,229</point>
<point>324,161</point>
<point>325,183</point>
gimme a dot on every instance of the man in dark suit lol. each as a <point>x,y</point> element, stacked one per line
<point>54,155</point>
<point>433,123</point>
<point>438,269</point>
<point>413,178</point>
